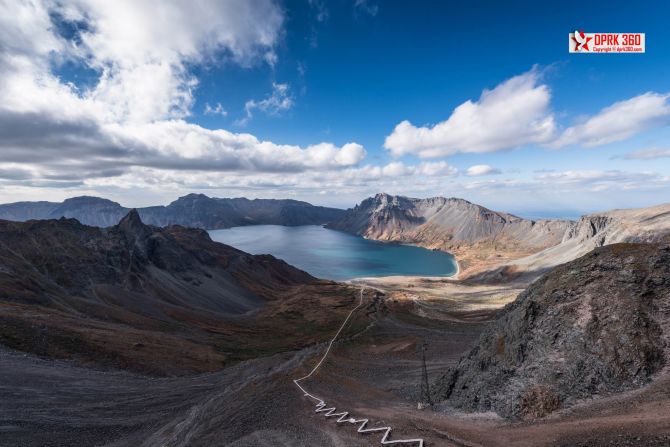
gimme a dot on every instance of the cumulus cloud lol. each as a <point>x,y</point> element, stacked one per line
<point>619,121</point>
<point>166,144</point>
<point>514,113</point>
<point>143,59</point>
<point>134,114</point>
<point>477,170</point>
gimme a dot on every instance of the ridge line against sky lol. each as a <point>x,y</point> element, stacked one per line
<point>142,102</point>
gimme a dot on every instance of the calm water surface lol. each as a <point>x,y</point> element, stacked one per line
<point>335,255</point>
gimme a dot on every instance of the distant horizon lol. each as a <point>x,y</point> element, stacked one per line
<point>526,214</point>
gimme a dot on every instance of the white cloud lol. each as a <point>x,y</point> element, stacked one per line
<point>516,113</point>
<point>481,170</point>
<point>134,114</point>
<point>277,102</point>
<point>513,114</point>
<point>141,59</point>
<point>440,168</point>
<point>619,121</point>
<point>647,154</point>
<point>142,49</point>
<point>399,169</point>
<point>598,180</point>
<point>394,176</point>
<point>217,109</point>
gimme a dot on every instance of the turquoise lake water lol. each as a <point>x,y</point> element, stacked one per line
<point>335,255</point>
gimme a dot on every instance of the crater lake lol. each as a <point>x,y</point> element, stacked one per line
<point>336,255</point>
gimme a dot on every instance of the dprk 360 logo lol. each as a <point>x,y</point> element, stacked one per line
<point>581,42</point>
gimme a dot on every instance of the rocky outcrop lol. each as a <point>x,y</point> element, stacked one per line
<point>473,233</point>
<point>597,325</point>
<point>192,210</point>
<point>589,227</point>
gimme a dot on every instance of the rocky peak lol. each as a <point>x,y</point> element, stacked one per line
<point>131,225</point>
<point>383,197</point>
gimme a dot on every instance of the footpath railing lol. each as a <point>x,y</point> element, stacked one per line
<point>344,416</point>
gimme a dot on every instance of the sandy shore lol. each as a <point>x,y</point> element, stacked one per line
<point>443,298</point>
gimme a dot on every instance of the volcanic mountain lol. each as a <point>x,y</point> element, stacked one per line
<point>591,327</point>
<point>473,233</point>
<point>192,210</point>
<point>155,300</point>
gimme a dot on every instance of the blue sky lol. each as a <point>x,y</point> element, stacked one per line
<point>301,99</point>
<point>367,73</point>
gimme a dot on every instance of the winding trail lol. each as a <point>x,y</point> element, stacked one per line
<point>344,416</point>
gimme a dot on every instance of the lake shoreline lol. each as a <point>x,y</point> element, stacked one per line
<point>339,256</point>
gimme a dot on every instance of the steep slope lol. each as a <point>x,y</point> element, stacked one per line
<point>192,210</point>
<point>163,301</point>
<point>476,235</point>
<point>591,231</point>
<point>594,326</point>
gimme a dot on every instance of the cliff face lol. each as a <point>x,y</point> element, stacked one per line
<point>193,210</point>
<point>474,233</point>
<point>597,325</point>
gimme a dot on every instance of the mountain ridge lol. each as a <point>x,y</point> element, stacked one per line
<point>161,301</point>
<point>191,210</point>
<point>475,234</point>
<point>591,231</point>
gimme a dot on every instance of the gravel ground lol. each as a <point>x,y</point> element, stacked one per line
<point>54,403</point>
<point>254,403</point>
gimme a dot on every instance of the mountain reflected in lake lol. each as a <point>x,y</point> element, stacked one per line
<point>335,255</point>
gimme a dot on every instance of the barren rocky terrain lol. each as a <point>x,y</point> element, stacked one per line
<point>152,300</point>
<point>591,327</point>
<point>591,231</point>
<point>145,354</point>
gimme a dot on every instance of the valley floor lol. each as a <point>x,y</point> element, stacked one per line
<point>374,374</point>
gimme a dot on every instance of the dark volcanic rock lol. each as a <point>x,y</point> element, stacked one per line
<point>596,325</point>
<point>102,295</point>
<point>192,210</point>
<point>78,258</point>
